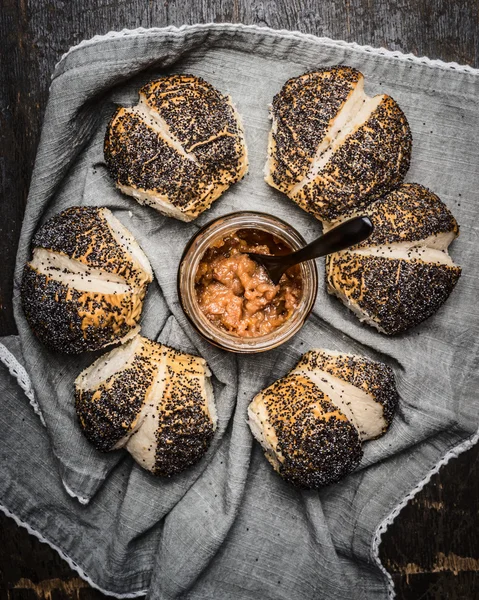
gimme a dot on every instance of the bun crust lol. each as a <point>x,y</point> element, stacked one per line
<point>72,321</point>
<point>302,113</point>
<point>374,378</point>
<point>110,411</point>
<point>392,295</point>
<point>84,288</point>
<point>312,422</point>
<point>313,442</point>
<point>371,161</point>
<point>185,426</point>
<point>410,213</point>
<point>87,234</point>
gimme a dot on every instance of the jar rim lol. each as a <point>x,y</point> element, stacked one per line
<point>218,228</point>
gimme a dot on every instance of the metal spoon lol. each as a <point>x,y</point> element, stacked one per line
<point>343,236</point>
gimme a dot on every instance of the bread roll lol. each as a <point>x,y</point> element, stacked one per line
<point>179,148</point>
<point>332,148</point>
<point>153,401</point>
<point>84,287</point>
<point>402,274</point>
<point>312,422</point>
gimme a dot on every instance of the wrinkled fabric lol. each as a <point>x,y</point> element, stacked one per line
<point>230,528</point>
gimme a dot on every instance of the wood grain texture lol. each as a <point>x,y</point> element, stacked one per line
<point>432,549</point>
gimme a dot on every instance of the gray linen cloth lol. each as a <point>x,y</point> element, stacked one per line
<point>230,528</point>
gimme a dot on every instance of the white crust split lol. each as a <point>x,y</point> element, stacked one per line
<point>103,275</point>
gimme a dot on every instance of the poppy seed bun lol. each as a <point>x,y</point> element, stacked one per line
<point>306,438</point>
<point>179,148</point>
<point>402,274</point>
<point>152,400</point>
<point>85,285</point>
<point>311,423</point>
<point>332,148</point>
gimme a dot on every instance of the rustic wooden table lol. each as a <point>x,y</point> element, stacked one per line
<point>432,549</point>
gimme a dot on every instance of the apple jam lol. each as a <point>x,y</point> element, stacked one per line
<point>235,293</point>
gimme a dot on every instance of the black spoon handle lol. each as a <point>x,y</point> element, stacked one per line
<point>343,236</point>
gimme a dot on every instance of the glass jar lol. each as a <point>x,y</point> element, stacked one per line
<point>213,232</point>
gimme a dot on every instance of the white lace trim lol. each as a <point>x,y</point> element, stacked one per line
<point>24,381</point>
<point>17,370</point>
<point>81,499</point>
<point>382,527</point>
<point>229,27</point>
<point>66,558</point>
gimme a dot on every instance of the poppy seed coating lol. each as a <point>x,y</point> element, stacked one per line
<point>132,156</point>
<point>372,161</point>
<point>108,412</point>
<point>303,111</point>
<point>409,213</point>
<point>84,234</point>
<point>155,402</point>
<point>185,428</point>
<point>397,294</point>
<point>401,274</point>
<point>199,117</point>
<point>72,321</point>
<point>84,287</point>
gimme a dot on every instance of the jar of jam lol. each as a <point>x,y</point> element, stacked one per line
<point>229,298</point>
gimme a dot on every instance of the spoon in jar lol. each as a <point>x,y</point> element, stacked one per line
<point>343,236</point>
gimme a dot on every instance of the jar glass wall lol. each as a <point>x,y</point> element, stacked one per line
<point>214,232</point>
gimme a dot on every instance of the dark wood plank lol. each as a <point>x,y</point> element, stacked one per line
<point>22,102</point>
<point>432,549</point>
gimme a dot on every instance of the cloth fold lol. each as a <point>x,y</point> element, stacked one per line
<point>230,527</point>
